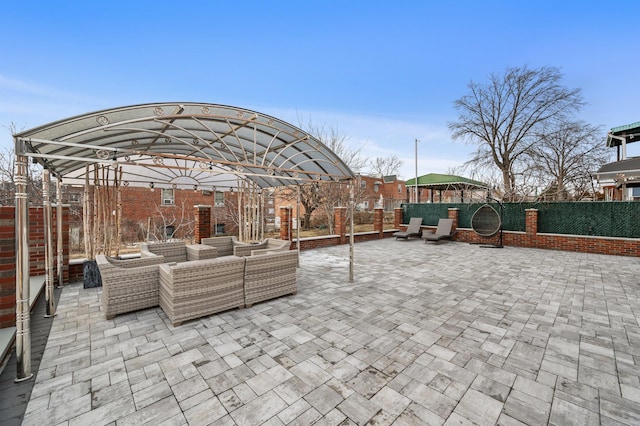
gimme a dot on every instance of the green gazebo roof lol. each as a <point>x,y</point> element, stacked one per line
<point>630,132</point>
<point>439,181</point>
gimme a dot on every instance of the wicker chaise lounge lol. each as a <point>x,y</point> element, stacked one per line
<point>128,285</point>
<point>270,244</point>
<point>201,287</point>
<point>270,275</point>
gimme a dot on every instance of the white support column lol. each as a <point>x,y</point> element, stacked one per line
<point>298,221</point>
<point>48,246</point>
<point>60,271</point>
<point>351,237</point>
<point>23,316</point>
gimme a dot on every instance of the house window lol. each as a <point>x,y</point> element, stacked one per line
<point>219,228</point>
<point>363,184</point>
<point>375,187</point>
<point>169,232</point>
<point>219,199</point>
<point>399,188</point>
<point>167,197</point>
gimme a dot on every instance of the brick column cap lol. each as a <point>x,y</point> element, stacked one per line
<point>202,206</point>
<point>530,210</point>
<point>453,208</point>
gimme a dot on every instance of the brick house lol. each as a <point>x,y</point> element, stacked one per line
<point>159,213</point>
<point>620,179</point>
<point>387,192</point>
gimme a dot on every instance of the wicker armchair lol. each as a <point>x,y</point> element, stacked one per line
<point>173,251</point>
<point>270,275</point>
<point>128,285</point>
<point>224,245</point>
<point>270,244</point>
<point>201,287</point>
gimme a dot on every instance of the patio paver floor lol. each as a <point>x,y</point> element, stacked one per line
<point>427,334</point>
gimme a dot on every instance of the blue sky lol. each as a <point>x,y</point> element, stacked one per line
<point>382,73</point>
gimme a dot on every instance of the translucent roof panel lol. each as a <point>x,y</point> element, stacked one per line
<point>183,144</point>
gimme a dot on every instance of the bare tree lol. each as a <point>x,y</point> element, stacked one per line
<point>502,117</point>
<point>177,222</point>
<point>385,166</point>
<point>7,176</point>
<point>318,195</point>
<point>566,155</point>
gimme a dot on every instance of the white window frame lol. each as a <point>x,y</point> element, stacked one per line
<point>216,202</point>
<point>168,196</point>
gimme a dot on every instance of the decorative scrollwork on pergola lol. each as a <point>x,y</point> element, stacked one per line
<point>184,143</point>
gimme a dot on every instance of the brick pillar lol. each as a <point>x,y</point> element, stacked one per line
<point>531,222</point>
<point>454,213</point>
<point>378,221</point>
<point>397,217</point>
<point>340,221</point>
<point>285,223</point>
<point>203,222</point>
<point>7,267</point>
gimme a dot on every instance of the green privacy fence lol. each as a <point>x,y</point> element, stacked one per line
<point>607,219</point>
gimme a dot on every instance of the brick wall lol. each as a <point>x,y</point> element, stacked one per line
<point>7,267</point>
<point>334,240</point>
<point>141,204</point>
<point>36,255</point>
<point>532,238</point>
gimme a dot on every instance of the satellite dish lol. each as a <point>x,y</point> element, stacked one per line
<point>486,221</point>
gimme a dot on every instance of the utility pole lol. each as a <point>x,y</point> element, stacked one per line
<point>416,188</point>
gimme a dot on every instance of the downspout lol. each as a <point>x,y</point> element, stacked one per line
<point>623,144</point>
<point>23,316</point>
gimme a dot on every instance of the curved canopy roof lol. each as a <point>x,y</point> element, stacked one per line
<point>440,181</point>
<point>182,145</point>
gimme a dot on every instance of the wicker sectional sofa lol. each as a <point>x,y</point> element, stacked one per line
<point>178,251</point>
<point>128,285</point>
<point>202,287</point>
<point>270,275</point>
<point>224,245</point>
<point>270,244</point>
<point>191,289</point>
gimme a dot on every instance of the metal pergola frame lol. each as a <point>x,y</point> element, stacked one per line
<point>160,145</point>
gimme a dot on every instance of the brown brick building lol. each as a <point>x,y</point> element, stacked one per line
<point>380,191</point>
<point>160,213</point>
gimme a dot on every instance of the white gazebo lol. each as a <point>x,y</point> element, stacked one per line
<point>160,145</point>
